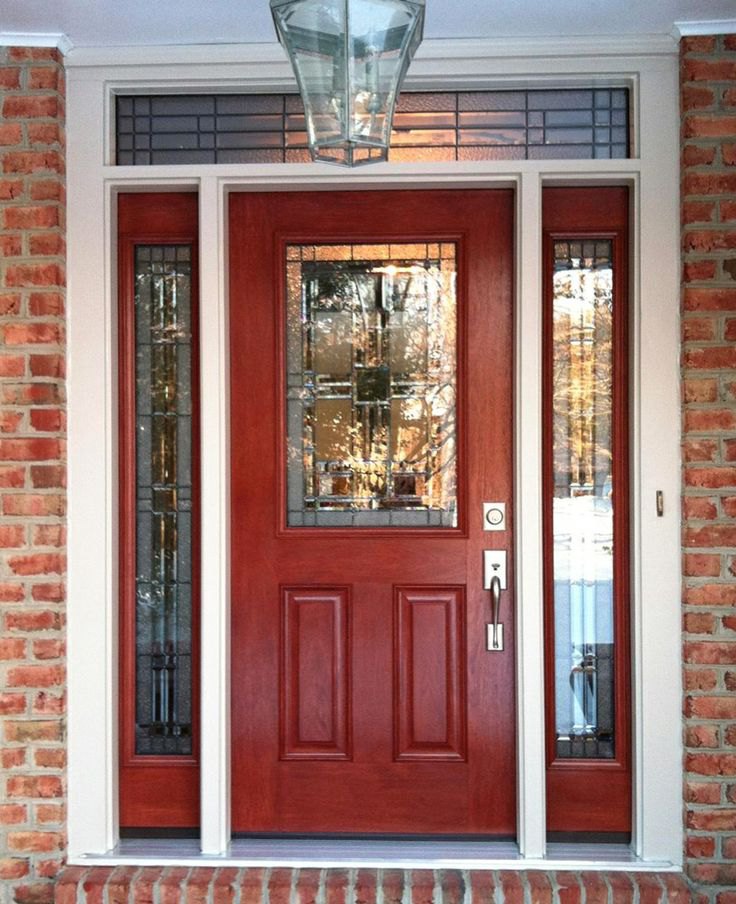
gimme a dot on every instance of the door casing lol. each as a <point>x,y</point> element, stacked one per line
<point>649,66</point>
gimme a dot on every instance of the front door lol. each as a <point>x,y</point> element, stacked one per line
<point>371,419</point>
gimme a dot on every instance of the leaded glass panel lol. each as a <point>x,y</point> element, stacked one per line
<point>371,348</point>
<point>163,417</point>
<point>444,125</point>
<point>582,509</point>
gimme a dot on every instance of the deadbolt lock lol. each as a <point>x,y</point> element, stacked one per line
<point>494,516</point>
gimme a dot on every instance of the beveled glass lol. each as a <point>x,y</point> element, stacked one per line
<point>582,510</point>
<point>371,349</point>
<point>163,418</point>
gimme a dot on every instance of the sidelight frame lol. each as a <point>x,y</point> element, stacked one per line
<point>649,68</point>
<point>570,215</point>
<point>140,774</point>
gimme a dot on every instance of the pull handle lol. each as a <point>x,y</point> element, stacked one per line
<point>494,579</point>
<point>495,607</point>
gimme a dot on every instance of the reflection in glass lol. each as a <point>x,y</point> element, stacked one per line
<point>371,364</point>
<point>444,125</point>
<point>163,420</point>
<point>582,510</point>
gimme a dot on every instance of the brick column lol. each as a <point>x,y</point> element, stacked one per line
<point>31,473</point>
<point>708,93</point>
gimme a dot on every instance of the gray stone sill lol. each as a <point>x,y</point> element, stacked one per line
<point>369,853</point>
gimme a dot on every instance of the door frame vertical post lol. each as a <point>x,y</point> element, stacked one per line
<point>531,799</point>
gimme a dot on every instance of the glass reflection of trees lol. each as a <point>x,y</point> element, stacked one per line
<point>582,382</point>
<point>163,499</point>
<point>371,359</point>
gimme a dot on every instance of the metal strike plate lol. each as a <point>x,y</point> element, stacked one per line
<point>494,562</point>
<point>489,639</point>
<point>494,516</point>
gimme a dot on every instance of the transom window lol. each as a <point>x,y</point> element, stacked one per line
<point>572,123</point>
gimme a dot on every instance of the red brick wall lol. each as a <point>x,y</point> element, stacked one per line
<point>708,85</point>
<point>31,472</point>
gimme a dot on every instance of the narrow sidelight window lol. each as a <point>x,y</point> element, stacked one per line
<point>158,427</point>
<point>586,487</point>
<point>582,497</point>
<point>163,421</point>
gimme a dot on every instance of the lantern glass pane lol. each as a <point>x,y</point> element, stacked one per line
<point>349,59</point>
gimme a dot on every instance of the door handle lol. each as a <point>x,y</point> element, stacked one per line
<point>495,630</point>
<point>494,579</point>
<point>494,564</point>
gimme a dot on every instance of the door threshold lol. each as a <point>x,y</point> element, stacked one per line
<point>373,853</point>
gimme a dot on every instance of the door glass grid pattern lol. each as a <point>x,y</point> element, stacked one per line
<point>582,510</point>
<point>163,417</point>
<point>371,338</point>
<point>573,123</point>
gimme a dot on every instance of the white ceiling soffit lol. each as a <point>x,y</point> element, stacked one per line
<point>105,23</point>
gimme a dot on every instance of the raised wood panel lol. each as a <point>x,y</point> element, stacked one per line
<point>315,676</point>
<point>430,719</point>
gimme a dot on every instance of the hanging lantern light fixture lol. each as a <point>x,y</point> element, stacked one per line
<point>350,58</point>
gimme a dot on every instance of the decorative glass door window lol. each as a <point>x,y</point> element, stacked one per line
<point>371,357</point>
<point>582,505</point>
<point>163,417</point>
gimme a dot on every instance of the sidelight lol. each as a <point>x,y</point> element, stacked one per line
<point>158,585</point>
<point>586,510</point>
<point>163,420</point>
<point>582,502</point>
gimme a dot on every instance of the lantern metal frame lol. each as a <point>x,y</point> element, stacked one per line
<point>350,58</point>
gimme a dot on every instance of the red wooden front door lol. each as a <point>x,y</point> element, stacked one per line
<point>371,418</point>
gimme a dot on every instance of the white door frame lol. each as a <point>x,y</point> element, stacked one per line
<point>649,68</point>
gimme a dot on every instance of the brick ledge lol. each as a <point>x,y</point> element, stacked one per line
<point>229,885</point>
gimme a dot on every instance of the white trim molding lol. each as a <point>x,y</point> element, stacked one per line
<point>652,174</point>
<point>467,52</point>
<point>703,27</point>
<point>36,39</point>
